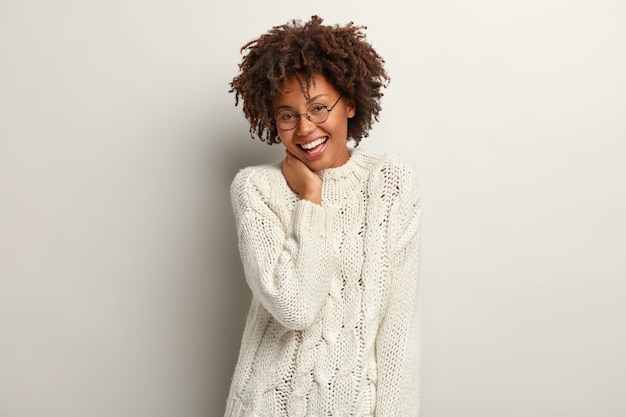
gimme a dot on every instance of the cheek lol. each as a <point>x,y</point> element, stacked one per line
<point>286,141</point>
<point>285,137</point>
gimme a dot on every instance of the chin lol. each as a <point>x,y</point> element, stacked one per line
<point>317,166</point>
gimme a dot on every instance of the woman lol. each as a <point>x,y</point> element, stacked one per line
<point>329,237</point>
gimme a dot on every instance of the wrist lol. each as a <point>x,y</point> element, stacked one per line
<point>312,196</point>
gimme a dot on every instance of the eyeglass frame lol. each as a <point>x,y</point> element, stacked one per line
<point>328,110</point>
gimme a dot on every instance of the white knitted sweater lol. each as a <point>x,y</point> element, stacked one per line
<point>332,329</point>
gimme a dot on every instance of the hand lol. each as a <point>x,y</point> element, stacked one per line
<point>302,180</point>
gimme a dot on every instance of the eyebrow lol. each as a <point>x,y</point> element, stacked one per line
<point>308,102</point>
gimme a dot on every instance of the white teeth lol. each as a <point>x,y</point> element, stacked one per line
<point>311,145</point>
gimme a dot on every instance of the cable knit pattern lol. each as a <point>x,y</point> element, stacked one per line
<point>332,329</point>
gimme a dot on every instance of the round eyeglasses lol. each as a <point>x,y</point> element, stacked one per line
<point>316,113</point>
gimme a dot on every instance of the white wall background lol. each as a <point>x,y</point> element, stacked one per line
<point>120,286</point>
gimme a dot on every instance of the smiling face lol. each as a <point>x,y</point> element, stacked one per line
<point>323,145</point>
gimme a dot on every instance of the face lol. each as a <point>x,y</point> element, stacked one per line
<point>318,146</point>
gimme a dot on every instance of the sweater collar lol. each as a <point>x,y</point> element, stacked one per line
<point>340,183</point>
<point>353,167</point>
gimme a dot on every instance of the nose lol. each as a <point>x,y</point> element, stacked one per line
<point>304,125</point>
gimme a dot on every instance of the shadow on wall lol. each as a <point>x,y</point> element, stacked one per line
<point>229,293</point>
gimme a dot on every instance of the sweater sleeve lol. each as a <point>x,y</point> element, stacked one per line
<point>288,264</point>
<point>397,340</point>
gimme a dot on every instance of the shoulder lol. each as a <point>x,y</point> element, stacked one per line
<point>391,172</point>
<point>256,180</point>
<point>258,175</point>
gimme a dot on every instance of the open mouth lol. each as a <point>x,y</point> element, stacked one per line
<point>312,146</point>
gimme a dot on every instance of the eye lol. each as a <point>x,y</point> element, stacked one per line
<point>316,109</point>
<point>285,116</point>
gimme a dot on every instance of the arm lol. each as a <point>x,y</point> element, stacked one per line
<point>397,339</point>
<point>288,265</point>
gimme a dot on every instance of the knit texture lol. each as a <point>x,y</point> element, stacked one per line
<point>332,329</point>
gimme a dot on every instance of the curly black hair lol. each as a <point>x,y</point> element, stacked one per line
<point>339,53</point>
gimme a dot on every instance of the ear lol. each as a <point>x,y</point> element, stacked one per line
<point>350,108</point>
